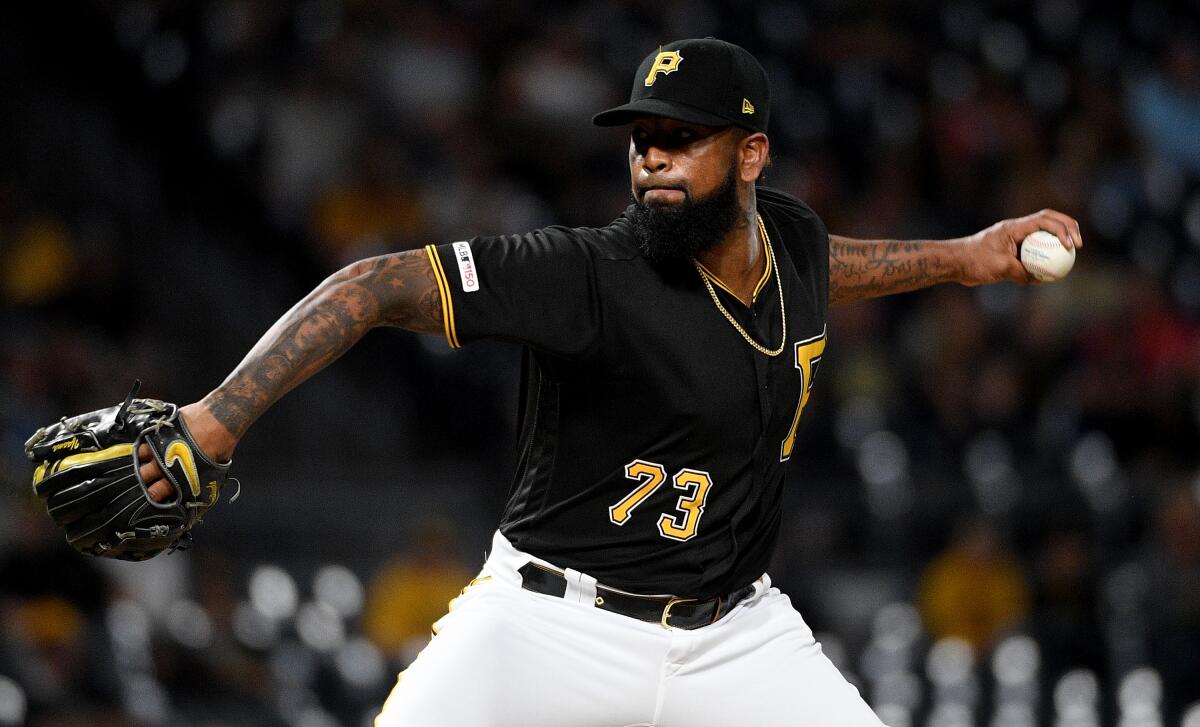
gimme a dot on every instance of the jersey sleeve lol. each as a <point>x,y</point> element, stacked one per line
<point>538,288</point>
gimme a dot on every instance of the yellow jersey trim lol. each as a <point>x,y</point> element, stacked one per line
<point>716,281</point>
<point>762,282</point>
<point>439,274</point>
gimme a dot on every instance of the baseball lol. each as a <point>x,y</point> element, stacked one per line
<point>1045,258</point>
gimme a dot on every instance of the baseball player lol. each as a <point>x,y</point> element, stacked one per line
<point>668,358</point>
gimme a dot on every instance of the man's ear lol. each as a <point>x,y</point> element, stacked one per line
<point>754,153</point>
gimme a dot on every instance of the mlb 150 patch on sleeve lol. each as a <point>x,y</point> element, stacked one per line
<point>466,267</point>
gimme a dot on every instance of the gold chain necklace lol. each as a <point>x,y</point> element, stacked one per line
<point>778,284</point>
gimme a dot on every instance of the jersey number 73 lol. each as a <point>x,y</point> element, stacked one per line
<point>650,475</point>
<point>696,483</point>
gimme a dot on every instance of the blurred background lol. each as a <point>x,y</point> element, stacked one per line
<point>994,513</point>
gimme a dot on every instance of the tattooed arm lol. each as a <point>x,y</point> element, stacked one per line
<point>860,269</point>
<point>390,290</point>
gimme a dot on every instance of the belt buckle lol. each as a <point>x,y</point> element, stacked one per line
<point>666,614</point>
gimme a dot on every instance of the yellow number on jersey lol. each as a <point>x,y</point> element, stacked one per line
<point>650,476</point>
<point>808,354</point>
<point>692,506</point>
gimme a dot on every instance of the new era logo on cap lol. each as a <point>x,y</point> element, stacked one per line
<point>700,81</point>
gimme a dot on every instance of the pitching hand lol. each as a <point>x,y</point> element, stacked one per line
<point>994,254</point>
<point>214,441</point>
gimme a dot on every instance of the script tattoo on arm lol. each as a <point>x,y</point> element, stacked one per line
<point>861,269</point>
<point>390,290</point>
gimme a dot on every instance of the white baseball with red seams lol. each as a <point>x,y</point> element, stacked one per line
<point>1044,256</point>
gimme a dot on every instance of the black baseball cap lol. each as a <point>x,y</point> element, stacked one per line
<point>700,81</point>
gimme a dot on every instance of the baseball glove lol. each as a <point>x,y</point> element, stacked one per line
<point>86,470</point>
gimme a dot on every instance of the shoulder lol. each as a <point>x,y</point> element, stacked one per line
<point>801,237</point>
<point>614,241</point>
<point>785,207</point>
<point>799,226</point>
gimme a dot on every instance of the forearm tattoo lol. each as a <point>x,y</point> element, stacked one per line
<point>860,269</point>
<point>393,290</point>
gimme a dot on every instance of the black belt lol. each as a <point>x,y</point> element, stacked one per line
<point>681,613</point>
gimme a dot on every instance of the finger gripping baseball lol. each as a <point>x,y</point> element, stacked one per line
<point>87,472</point>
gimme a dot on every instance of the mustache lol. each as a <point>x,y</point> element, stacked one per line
<point>640,190</point>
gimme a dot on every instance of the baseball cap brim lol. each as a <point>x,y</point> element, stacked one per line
<point>626,113</point>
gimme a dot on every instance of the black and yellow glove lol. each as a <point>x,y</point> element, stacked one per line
<point>86,471</point>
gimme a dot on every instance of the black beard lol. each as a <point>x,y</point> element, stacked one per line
<point>680,231</point>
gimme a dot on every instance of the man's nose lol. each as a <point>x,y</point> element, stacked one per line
<point>655,160</point>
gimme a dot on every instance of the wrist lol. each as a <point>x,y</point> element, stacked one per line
<point>215,441</point>
<point>960,258</point>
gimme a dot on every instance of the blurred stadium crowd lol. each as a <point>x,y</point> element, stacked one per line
<point>995,512</point>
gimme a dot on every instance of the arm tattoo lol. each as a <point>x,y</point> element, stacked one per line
<point>860,269</point>
<point>389,290</point>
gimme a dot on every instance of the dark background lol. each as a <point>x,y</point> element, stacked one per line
<point>994,509</point>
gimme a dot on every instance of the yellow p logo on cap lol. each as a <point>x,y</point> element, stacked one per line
<point>665,62</point>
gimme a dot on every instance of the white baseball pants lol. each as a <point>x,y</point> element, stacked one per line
<point>508,657</point>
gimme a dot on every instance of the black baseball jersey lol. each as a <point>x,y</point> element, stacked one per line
<point>653,435</point>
